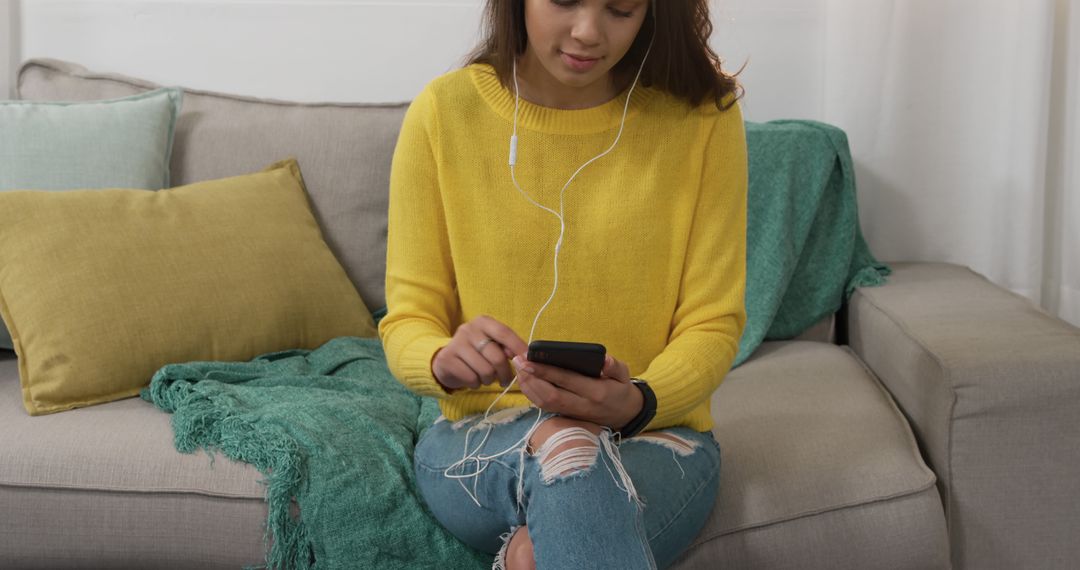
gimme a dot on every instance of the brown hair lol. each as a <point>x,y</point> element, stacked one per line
<point>681,61</point>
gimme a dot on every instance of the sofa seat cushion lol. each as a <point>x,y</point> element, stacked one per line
<point>122,446</point>
<point>107,483</point>
<point>819,469</point>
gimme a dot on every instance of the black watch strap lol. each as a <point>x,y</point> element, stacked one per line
<point>647,413</point>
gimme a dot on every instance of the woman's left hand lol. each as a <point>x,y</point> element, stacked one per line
<point>610,400</point>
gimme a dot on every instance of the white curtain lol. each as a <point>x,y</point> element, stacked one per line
<point>8,57</point>
<point>963,118</point>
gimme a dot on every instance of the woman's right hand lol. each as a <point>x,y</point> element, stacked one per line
<point>478,354</point>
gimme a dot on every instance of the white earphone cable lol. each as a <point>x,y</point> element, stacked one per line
<point>482,461</point>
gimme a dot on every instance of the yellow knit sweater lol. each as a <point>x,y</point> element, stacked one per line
<point>653,261</point>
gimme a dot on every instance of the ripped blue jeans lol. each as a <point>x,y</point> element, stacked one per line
<point>596,503</point>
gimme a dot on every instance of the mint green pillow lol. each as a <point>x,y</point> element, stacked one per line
<point>115,143</point>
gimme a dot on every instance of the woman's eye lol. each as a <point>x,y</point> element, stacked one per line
<point>614,11</point>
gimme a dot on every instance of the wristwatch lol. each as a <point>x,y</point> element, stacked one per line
<point>648,410</point>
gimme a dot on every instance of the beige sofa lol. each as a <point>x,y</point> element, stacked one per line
<point>933,423</point>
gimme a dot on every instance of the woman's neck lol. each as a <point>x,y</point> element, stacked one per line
<point>539,87</point>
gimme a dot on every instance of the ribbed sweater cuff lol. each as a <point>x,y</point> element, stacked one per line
<point>676,393</point>
<point>416,366</point>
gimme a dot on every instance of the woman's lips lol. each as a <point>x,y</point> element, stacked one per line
<point>578,64</point>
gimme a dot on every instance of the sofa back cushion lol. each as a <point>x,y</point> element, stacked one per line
<point>344,151</point>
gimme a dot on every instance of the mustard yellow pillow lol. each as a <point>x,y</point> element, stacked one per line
<point>101,288</point>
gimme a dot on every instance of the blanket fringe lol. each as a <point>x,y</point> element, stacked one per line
<point>201,422</point>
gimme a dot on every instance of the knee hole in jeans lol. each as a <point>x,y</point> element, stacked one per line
<point>566,447</point>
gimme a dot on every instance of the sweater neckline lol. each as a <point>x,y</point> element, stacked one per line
<point>556,121</point>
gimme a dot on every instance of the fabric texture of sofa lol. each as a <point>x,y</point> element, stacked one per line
<point>930,423</point>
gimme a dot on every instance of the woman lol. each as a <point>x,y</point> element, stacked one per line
<point>619,220</point>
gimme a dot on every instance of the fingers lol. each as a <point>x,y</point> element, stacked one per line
<point>498,357</point>
<point>599,400</point>
<point>504,345</point>
<point>492,362</point>
<point>502,334</point>
<point>615,369</point>
<point>451,371</point>
<point>478,354</point>
<point>478,362</point>
<point>558,389</point>
<point>503,371</point>
<point>569,380</point>
<point>539,392</point>
<point>549,397</point>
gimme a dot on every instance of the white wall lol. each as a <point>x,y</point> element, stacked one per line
<point>352,50</point>
<point>783,45</point>
<point>370,50</point>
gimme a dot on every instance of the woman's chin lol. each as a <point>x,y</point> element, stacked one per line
<point>579,80</point>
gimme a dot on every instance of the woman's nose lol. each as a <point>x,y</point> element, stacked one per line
<point>586,28</point>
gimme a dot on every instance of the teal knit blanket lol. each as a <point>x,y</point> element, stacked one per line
<point>332,429</point>
<point>805,252</point>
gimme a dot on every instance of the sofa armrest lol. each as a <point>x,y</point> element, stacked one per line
<point>991,386</point>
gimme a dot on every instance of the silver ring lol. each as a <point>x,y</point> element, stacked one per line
<point>483,344</point>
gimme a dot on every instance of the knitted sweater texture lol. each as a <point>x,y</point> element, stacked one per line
<point>653,262</point>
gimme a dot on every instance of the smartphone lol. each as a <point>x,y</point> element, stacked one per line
<point>585,358</point>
